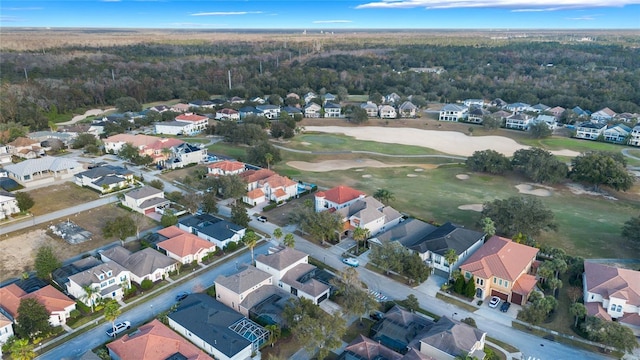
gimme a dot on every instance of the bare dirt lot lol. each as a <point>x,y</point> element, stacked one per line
<point>60,196</point>
<point>17,250</point>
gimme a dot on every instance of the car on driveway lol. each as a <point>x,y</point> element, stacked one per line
<point>351,262</point>
<point>376,315</point>
<point>505,306</point>
<point>494,302</point>
<point>118,328</point>
<point>182,295</point>
<point>262,219</point>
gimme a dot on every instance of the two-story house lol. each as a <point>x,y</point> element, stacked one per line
<point>589,130</point>
<point>518,107</point>
<point>108,280</point>
<point>57,304</point>
<point>227,114</point>
<point>332,110</point>
<point>407,110</point>
<point>617,134</point>
<point>550,121</point>
<point>387,112</point>
<point>453,112</point>
<point>501,268</point>
<point>226,167</point>
<point>8,204</point>
<point>186,154</point>
<point>145,200</point>
<point>312,110</point>
<point>146,264</point>
<point>634,138</point>
<point>336,198</point>
<point>604,115</point>
<point>369,213</point>
<point>198,123</point>
<point>518,121</point>
<point>370,108</point>
<point>271,112</point>
<point>612,293</point>
<point>218,231</point>
<point>473,102</point>
<point>232,290</point>
<point>477,114</point>
<point>184,246</point>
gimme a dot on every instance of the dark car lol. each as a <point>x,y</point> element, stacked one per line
<point>505,306</point>
<point>182,295</point>
<point>376,315</point>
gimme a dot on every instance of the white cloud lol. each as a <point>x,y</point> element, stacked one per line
<point>521,5</point>
<point>226,13</point>
<point>194,25</point>
<point>332,21</point>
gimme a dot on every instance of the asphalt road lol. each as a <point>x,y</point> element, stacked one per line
<point>142,313</point>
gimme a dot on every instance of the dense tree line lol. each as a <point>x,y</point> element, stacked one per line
<point>38,87</point>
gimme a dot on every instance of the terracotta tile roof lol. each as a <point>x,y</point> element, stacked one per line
<point>631,319</point>
<point>279,193</point>
<point>500,257</point>
<point>596,309</point>
<point>185,244</point>
<point>135,140</point>
<point>256,175</point>
<point>23,141</point>
<point>255,193</point>
<point>610,281</point>
<point>226,111</point>
<point>50,297</point>
<point>276,181</point>
<point>525,284</point>
<point>4,321</point>
<point>155,341</point>
<point>171,231</point>
<point>165,143</point>
<point>227,166</point>
<point>190,117</point>
<point>340,194</point>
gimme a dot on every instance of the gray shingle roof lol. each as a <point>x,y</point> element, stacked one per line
<point>143,192</point>
<point>90,276</point>
<point>47,163</point>
<point>141,263</point>
<point>243,280</point>
<point>281,259</point>
<point>452,337</point>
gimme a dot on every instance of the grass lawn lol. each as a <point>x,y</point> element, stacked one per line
<point>234,151</point>
<point>456,302</point>
<point>503,345</point>
<point>283,349</point>
<point>58,197</point>
<point>357,328</point>
<point>333,142</point>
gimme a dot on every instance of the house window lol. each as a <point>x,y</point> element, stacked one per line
<point>101,276</point>
<point>480,282</point>
<point>109,273</point>
<point>104,284</point>
<point>495,280</point>
<point>111,281</point>
<point>500,282</point>
<point>619,309</point>
<point>506,283</point>
<point>613,308</point>
<point>467,275</point>
<point>593,296</point>
<point>123,278</point>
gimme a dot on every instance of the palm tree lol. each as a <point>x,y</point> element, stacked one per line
<point>451,257</point>
<point>578,311</point>
<point>384,195</point>
<point>20,349</point>
<point>277,233</point>
<point>274,332</point>
<point>360,234</point>
<point>111,312</point>
<point>250,239</point>
<point>89,295</point>
<point>289,240</point>
<point>268,157</point>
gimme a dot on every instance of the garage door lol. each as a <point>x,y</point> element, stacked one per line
<point>502,296</point>
<point>149,211</point>
<point>516,298</point>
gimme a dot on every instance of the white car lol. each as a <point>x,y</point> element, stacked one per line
<point>351,262</point>
<point>262,219</point>
<point>118,328</point>
<point>494,302</point>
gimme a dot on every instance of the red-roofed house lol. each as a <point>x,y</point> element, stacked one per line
<point>198,122</point>
<point>154,341</point>
<point>226,167</point>
<point>254,197</point>
<point>337,198</point>
<point>147,145</point>
<point>501,268</point>
<point>252,177</point>
<point>228,114</point>
<point>612,293</point>
<point>6,330</point>
<point>57,304</point>
<point>269,186</point>
<point>184,246</point>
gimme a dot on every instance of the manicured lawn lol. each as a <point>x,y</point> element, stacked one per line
<point>332,142</point>
<point>559,143</point>
<point>233,151</point>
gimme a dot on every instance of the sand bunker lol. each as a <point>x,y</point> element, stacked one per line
<point>412,175</point>
<point>418,170</point>
<point>366,176</point>
<point>530,190</point>
<point>449,142</point>
<point>462,176</point>
<point>472,207</point>
<point>331,165</point>
<point>305,143</point>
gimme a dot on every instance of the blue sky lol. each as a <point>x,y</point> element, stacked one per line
<point>316,15</point>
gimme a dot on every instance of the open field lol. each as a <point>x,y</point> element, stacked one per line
<point>61,196</point>
<point>18,249</point>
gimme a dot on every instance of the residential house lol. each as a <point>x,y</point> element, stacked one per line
<point>501,268</point>
<point>278,188</point>
<point>161,108</point>
<point>145,200</point>
<point>184,246</point>
<point>26,148</point>
<point>627,117</point>
<point>540,108</point>
<point>237,100</point>
<point>392,98</point>
<point>271,112</point>
<point>293,111</point>
<point>258,100</point>
<point>232,290</point>
<point>407,110</point>
<point>617,134</point>
<point>8,204</point>
<point>387,112</point>
<point>449,339</point>
<point>180,108</point>
<point>201,104</point>
<point>370,214</point>
<point>453,112</point>
<point>217,102</point>
<point>5,154</point>
<point>580,112</point>
<point>161,150</point>
<point>46,138</point>
<point>309,96</point>
<point>634,139</point>
<point>146,264</point>
<point>6,328</point>
<point>172,128</point>
<point>336,198</point>
<point>293,96</point>
<point>217,329</point>
<point>431,243</point>
<point>254,197</point>
<point>550,121</point>
<point>292,272</point>
<point>363,348</point>
<point>253,177</point>
<point>605,115</point>
<point>589,130</point>
<point>399,328</point>
<point>312,110</point>
<point>42,170</point>
<point>105,178</point>
<point>518,107</point>
<point>612,293</point>
<point>332,110</point>
<point>61,275</point>
<point>226,167</point>
<point>108,279</point>
<point>477,114</point>
<point>499,103</point>
<point>186,154</point>
<point>228,114</point>
<point>370,108</point>
<point>213,229</point>
<point>245,111</point>
<point>154,341</point>
<point>328,97</point>
<point>556,111</point>
<point>198,123</point>
<point>473,102</point>
<point>58,305</point>
<point>518,121</point>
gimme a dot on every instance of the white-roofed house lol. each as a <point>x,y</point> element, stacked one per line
<point>47,169</point>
